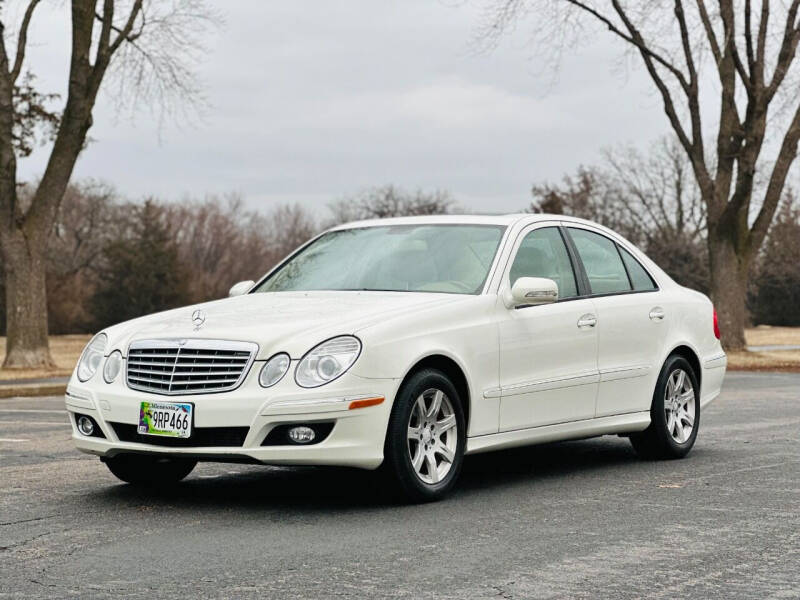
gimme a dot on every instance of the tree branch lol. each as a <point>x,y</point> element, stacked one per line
<point>761,45</point>
<point>777,180</point>
<point>709,29</point>
<point>22,40</point>
<point>634,39</point>
<point>791,36</point>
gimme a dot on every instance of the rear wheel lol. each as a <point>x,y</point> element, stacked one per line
<point>150,471</point>
<point>674,414</point>
<point>425,439</point>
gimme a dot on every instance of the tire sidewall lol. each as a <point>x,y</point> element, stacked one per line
<point>396,447</point>
<point>658,416</point>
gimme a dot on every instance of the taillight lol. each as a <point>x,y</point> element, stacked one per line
<point>716,325</point>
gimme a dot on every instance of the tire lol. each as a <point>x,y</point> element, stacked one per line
<point>149,471</point>
<point>440,436</point>
<point>674,413</point>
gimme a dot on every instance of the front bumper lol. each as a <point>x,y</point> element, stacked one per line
<point>356,439</point>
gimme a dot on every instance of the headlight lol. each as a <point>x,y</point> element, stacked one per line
<point>112,367</point>
<point>327,361</point>
<point>274,370</point>
<point>91,357</point>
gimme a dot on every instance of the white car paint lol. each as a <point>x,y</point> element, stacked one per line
<point>533,374</point>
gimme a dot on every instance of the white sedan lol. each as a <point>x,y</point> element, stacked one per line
<point>406,344</point>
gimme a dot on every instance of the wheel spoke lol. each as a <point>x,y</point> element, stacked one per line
<point>667,403</point>
<point>445,452</point>
<point>420,409</point>
<point>680,435</point>
<point>446,424</point>
<point>418,459</point>
<point>670,386</point>
<point>414,433</point>
<point>436,404</point>
<point>688,419</point>
<point>686,397</point>
<point>681,380</point>
<point>433,471</point>
<point>671,423</point>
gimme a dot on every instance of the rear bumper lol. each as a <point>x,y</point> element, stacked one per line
<point>356,439</point>
<point>713,374</point>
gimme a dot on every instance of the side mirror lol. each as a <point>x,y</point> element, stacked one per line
<point>531,291</point>
<point>241,288</point>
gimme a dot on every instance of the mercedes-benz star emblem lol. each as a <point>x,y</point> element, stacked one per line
<point>198,318</point>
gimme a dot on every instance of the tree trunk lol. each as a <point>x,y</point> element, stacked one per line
<point>729,277</point>
<point>26,299</point>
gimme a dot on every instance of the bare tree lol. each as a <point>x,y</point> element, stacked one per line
<point>390,201</point>
<point>752,51</point>
<point>220,242</point>
<point>149,47</point>
<point>651,198</point>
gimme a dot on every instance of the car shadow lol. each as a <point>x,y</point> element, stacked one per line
<point>308,489</point>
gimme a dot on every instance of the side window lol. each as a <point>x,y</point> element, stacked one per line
<point>601,261</point>
<point>639,277</point>
<point>542,253</point>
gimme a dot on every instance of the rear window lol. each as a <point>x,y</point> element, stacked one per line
<point>601,261</point>
<point>640,278</point>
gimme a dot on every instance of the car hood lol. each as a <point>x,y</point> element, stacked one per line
<point>290,322</point>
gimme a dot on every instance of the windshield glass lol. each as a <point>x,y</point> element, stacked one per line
<point>403,258</point>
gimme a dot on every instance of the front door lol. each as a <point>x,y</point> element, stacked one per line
<point>548,353</point>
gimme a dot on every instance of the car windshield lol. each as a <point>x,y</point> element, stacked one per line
<point>399,258</point>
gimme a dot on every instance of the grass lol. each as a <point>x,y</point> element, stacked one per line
<point>67,348</point>
<point>765,335</point>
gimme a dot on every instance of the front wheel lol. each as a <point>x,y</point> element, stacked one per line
<point>425,439</point>
<point>674,414</point>
<point>149,471</point>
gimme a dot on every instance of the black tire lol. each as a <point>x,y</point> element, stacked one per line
<point>657,442</point>
<point>149,471</point>
<point>397,458</point>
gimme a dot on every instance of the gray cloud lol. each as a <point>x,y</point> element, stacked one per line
<point>312,101</point>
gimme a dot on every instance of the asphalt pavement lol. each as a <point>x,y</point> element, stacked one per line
<point>579,519</point>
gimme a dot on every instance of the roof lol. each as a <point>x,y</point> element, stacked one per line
<point>444,219</point>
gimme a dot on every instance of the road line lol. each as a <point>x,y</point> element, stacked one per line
<point>2,422</point>
<point>32,410</point>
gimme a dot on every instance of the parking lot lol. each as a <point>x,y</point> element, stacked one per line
<point>576,519</point>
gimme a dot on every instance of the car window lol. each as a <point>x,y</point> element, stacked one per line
<point>601,261</point>
<point>543,253</point>
<point>639,277</point>
<point>404,258</point>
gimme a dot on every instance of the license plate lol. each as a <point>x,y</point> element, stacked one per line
<point>171,419</point>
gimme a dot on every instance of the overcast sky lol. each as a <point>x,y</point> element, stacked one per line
<point>312,101</point>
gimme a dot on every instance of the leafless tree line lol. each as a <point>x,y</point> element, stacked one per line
<point>210,243</point>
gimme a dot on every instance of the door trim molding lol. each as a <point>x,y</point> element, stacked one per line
<point>615,373</point>
<point>541,385</point>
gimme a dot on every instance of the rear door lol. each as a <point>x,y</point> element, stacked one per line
<point>631,322</point>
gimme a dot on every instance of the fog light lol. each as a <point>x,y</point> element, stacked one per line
<point>85,425</point>
<point>301,435</point>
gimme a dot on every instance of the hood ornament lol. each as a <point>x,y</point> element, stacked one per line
<point>198,318</point>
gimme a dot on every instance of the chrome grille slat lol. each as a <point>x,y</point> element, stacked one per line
<point>192,366</point>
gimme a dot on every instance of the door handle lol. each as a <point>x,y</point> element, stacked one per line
<point>587,320</point>
<point>657,314</point>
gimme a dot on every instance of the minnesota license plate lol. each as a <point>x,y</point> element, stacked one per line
<point>171,419</point>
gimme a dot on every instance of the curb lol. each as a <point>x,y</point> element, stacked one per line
<point>32,389</point>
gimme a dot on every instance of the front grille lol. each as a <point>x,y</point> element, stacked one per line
<point>194,366</point>
<point>202,437</point>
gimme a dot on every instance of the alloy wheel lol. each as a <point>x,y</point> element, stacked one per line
<point>679,406</point>
<point>432,436</point>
